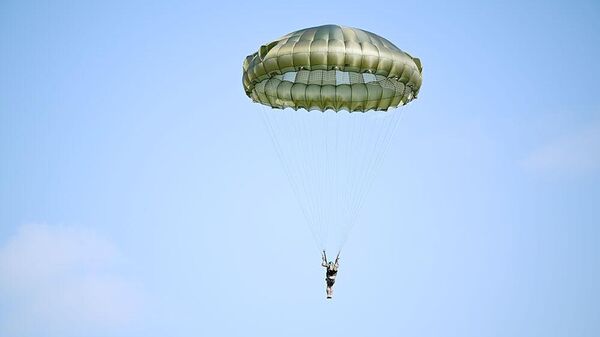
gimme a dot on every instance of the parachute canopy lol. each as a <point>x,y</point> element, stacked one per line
<point>332,67</point>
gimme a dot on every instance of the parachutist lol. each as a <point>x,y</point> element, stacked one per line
<point>330,273</point>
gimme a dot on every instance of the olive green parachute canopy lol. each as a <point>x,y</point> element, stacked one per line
<point>332,67</point>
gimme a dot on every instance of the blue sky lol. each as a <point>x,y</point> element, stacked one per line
<point>140,194</point>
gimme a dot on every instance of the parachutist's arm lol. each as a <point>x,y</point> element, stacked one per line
<point>324,256</point>
<point>337,258</point>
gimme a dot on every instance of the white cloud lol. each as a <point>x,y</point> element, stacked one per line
<point>576,153</point>
<point>63,278</point>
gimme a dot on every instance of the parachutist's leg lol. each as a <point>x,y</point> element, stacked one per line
<point>329,288</point>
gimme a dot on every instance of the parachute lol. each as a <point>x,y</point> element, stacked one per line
<point>330,155</point>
